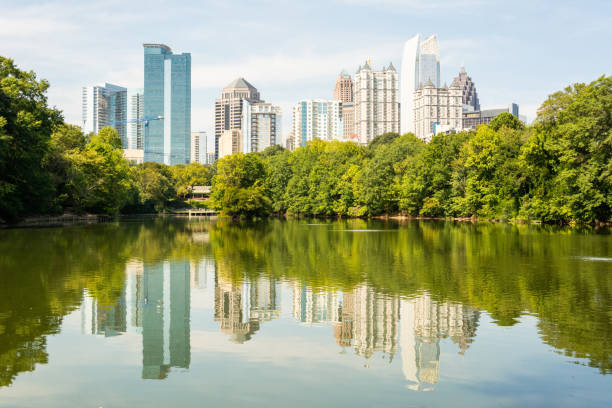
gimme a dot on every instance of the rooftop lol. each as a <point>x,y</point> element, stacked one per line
<point>240,83</point>
<point>154,45</point>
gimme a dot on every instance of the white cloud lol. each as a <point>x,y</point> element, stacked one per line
<point>283,68</point>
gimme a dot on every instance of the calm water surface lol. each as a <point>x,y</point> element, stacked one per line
<point>171,312</point>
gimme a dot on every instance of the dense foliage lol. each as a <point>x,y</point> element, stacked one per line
<point>557,170</point>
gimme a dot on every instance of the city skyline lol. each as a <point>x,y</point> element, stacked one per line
<point>306,66</point>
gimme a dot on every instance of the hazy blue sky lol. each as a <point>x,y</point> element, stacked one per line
<point>515,51</point>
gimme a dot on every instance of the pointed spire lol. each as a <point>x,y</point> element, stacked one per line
<point>391,67</point>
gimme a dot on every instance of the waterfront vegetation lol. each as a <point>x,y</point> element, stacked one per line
<point>557,170</point>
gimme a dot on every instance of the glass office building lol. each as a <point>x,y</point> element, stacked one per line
<point>102,106</point>
<point>167,94</point>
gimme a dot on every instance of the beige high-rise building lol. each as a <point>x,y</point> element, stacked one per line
<point>230,142</point>
<point>348,121</point>
<point>376,102</point>
<point>228,108</point>
<point>198,147</point>
<point>290,141</point>
<point>437,110</point>
<point>343,91</point>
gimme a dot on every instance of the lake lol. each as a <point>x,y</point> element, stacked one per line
<point>305,313</point>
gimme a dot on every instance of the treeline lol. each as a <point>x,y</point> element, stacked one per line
<point>557,170</point>
<point>49,167</point>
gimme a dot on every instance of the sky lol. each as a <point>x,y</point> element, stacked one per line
<point>515,51</point>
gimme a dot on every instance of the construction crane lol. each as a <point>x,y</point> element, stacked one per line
<point>146,121</point>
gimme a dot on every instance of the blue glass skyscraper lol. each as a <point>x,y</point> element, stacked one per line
<point>167,93</point>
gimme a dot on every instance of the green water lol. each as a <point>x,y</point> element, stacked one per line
<point>172,312</point>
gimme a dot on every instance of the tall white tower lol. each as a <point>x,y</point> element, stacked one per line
<point>409,82</point>
<point>420,64</point>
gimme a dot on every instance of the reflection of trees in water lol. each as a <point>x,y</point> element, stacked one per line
<point>503,269</point>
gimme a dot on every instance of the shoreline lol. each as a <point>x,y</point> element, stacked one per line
<point>85,219</point>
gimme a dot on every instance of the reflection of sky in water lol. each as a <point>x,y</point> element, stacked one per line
<point>271,343</point>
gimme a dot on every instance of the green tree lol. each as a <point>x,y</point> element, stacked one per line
<point>154,186</point>
<point>278,174</point>
<point>384,139</point>
<point>506,119</point>
<point>494,176</point>
<point>571,155</point>
<point>377,185</point>
<point>26,123</point>
<point>190,175</point>
<point>429,174</point>
<point>238,188</point>
<point>99,177</point>
<point>64,140</point>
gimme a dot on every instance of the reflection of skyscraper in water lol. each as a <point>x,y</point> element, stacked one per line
<point>100,319</point>
<point>343,330</point>
<point>361,317</point>
<point>200,271</point>
<point>310,306</point>
<point>165,318</point>
<point>375,320</point>
<point>424,322</point>
<point>240,308</point>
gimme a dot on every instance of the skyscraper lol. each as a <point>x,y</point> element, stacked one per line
<point>420,65</point>
<point>437,110</point>
<point>167,94</point>
<point>198,147</point>
<point>317,119</point>
<point>348,121</point>
<point>230,142</point>
<point>469,97</point>
<point>376,102</point>
<point>135,111</point>
<point>102,106</point>
<point>228,108</point>
<point>343,91</point>
<point>261,126</point>
<point>429,61</point>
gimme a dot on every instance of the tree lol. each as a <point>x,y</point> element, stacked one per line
<point>26,123</point>
<point>154,186</point>
<point>506,119</point>
<point>278,174</point>
<point>429,174</point>
<point>190,175</point>
<point>570,155</point>
<point>377,185</point>
<point>64,140</point>
<point>238,188</point>
<point>385,138</point>
<point>494,176</point>
<point>99,177</point>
